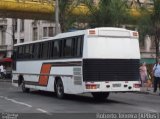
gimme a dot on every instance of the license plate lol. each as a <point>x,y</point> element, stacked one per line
<point>116,85</point>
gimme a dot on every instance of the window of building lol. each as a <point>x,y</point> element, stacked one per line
<point>3,38</point>
<point>35,33</point>
<point>45,32</point>
<point>22,25</point>
<point>50,34</point>
<point>15,41</point>
<point>21,40</point>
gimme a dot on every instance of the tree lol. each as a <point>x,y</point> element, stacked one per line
<point>66,18</point>
<point>107,13</point>
<point>156,25</point>
<point>150,24</point>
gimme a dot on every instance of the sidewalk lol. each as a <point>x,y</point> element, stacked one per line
<point>149,91</point>
<point>5,80</point>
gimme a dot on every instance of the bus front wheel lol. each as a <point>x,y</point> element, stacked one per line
<point>24,89</point>
<point>100,95</point>
<point>59,89</point>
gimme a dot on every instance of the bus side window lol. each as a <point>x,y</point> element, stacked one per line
<point>78,44</point>
<point>49,49</point>
<point>35,51</point>
<point>14,55</point>
<point>81,45</point>
<point>67,51</point>
<point>17,55</point>
<point>14,58</point>
<point>45,47</point>
<point>20,52</point>
<point>26,52</point>
<point>56,49</point>
<point>30,51</point>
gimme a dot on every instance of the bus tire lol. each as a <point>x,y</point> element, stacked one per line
<point>60,89</point>
<point>24,89</point>
<point>101,96</point>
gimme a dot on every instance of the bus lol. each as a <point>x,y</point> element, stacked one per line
<point>97,61</point>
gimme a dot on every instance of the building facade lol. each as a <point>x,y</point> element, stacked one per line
<point>13,31</point>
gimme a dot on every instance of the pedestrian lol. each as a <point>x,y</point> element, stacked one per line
<point>2,71</point>
<point>149,80</point>
<point>143,74</point>
<point>156,72</point>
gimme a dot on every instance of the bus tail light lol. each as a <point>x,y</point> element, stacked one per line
<point>135,34</point>
<point>92,86</point>
<point>136,85</point>
<point>92,32</point>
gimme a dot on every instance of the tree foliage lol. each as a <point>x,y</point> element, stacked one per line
<point>108,13</point>
<point>66,18</point>
<point>145,24</point>
<point>150,24</point>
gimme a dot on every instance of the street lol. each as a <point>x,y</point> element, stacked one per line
<point>13,100</point>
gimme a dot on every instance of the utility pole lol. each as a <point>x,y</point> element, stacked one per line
<point>57,29</point>
<point>13,65</point>
<point>13,31</point>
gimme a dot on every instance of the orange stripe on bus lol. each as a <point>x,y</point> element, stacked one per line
<point>43,79</point>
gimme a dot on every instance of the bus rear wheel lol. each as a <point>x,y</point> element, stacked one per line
<point>24,89</point>
<point>101,96</point>
<point>60,89</point>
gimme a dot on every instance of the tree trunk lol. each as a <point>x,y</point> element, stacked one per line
<point>157,40</point>
<point>157,48</point>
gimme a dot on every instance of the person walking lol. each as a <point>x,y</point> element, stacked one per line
<point>143,74</point>
<point>156,72</point>
<point>2,71</point>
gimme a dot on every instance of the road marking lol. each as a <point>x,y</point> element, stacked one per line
<point>14,101</point>
<point>44,111</point>
<point>25,104</point>
<point>152,110</point>
<point>149,110</point>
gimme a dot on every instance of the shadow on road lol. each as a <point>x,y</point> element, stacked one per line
<point>78,98</point>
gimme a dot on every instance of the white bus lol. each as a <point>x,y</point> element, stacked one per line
<point>97,61</point>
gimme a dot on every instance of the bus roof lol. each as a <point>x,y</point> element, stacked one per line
<point>77,33</point>
<point>59,36</point>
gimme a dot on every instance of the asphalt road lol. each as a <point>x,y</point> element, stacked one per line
<point>14,101</point>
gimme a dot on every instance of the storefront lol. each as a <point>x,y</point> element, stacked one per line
<point>7,63</point>
<point>148,60</point>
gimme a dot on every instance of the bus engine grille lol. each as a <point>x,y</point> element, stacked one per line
<point>110,69</point>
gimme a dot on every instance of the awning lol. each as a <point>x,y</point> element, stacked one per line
<point>6,60</point>
<point>148,60</point>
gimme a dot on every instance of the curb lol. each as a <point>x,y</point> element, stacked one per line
<point>141,92</point>
<point>5,80</point>
<point>150,92</point>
